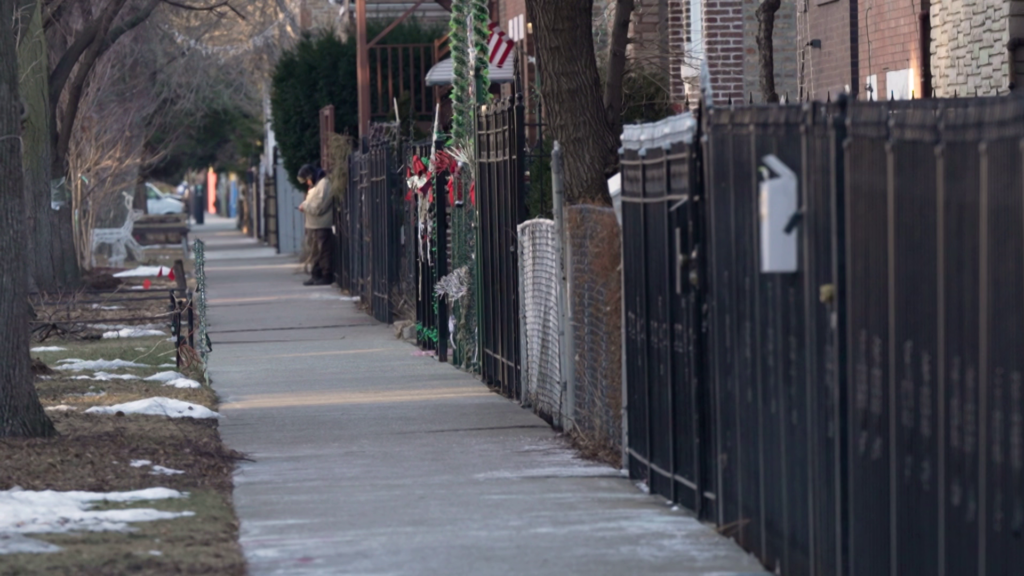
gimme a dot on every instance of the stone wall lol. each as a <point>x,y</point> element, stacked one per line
<point>968,45</point>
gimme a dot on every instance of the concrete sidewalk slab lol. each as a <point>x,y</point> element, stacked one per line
<point>370,458</point>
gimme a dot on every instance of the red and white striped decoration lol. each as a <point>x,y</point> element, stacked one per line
<point>499,45</point>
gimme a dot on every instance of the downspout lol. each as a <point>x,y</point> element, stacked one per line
<point>925,31</point>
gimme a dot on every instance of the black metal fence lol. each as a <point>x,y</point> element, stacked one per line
<point>370,220</point>
<point>865,414</point>
<point>502,207</point>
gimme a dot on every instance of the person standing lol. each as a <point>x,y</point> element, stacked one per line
<point>319,219</point>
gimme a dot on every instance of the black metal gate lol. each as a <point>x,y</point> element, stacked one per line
<point>863,415</point>
<point>502,207</point>
<point>664,313</point>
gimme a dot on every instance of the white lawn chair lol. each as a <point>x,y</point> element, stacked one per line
<point>119,239</point>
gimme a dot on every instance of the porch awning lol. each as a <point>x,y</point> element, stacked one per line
<point>441,73</point>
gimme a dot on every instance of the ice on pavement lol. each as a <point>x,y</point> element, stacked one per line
<point>78,364</point>
<point>46,512</point>
<point>162,471</point>
<point>132,333</point>
<point>157,406</point>
<point>47,349</point>
<point>143,271</point>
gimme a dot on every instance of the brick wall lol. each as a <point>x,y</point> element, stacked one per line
<point>784,42</point>
<point>827,71</point>
<point>723,45</point>
<point>649,34</point>
<point>968,45</point>
<point>677,37</point>
<point>889,42</point>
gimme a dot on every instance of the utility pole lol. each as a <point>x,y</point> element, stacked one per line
<point>363,74</point>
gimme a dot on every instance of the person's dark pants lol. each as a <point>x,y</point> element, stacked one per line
<point>322,243</point>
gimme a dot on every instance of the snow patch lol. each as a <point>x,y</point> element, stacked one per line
<point>99,307</point>
<point>61,408</point>
<point>107,376</point>
<point>165,376</point>
<point>78,364</point>
<point>132,333</point>
<point>162,471</point>
<point>142,271</point>
<point>48,511</point>
<point>158,406</point>
<point>18,544</point>
<point>139,463</point>
<point>48,349</point>
<point>183,383</point>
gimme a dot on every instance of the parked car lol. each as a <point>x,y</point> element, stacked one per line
<point>159,203</point>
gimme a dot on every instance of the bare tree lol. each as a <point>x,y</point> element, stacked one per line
<point>765,49</point>
<point>21,414</point>
<point>585,121</point>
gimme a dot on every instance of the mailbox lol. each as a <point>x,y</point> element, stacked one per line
<point>779,216</point>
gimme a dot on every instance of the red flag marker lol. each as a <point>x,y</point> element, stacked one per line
<point>146,284</point>
<point>170,275</point>
<point>160,272</point>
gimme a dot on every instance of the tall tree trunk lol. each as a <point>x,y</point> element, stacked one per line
<point>617,63</point>
<point>765,48</point>
<point>21,414</point>
<point>33,66</point>
<point>574,109</point>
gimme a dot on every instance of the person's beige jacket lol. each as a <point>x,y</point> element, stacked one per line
<point>317,206</point>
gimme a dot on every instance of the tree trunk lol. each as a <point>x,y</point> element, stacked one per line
<point>574,109</point>
<point>32,68</point>
<point>21,414</point>
<point>617,63</point>
<point>765,49</point>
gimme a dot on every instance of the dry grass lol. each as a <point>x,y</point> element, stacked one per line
<point>93,452</point>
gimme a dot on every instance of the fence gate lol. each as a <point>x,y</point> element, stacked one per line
<point>502,206</point>
<point>670,446</point>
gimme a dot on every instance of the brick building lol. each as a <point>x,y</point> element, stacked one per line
<point>876,49</point>
<point>721,36</point>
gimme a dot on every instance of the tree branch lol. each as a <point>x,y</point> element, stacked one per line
<point>212,8</point>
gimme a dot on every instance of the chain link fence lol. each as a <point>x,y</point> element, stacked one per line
<point>595,316</point>
<point>539,277</point>
<point>203,346</point>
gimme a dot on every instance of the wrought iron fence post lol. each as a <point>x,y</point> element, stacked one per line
<point>440,199</point>
<point>839,334</point>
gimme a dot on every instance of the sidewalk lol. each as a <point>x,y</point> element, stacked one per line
<point>372,459</point>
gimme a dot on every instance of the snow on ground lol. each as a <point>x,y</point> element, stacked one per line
<point>157,470</point>
<point>143,271</point>
<point>132,333</point>
<point>47,512</point>
<point>176,379</point>
<point>99,307</point>
<point>79,364</point>
<point>165,376</point>
<point>123,326</point>
<point>47,349</point>
<point>107,376</point>
<point>18,544</point>
<point>157,406</point>
<point>168,365</point>
<point>162,471</point>
<point>61,408</point>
